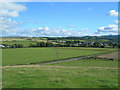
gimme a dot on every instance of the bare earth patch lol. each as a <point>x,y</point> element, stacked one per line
<point>113,55</point>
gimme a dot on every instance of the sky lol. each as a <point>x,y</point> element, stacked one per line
<point>58,19</point>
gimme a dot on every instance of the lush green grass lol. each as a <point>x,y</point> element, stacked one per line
<point>24,43</point>
<point>69,75</point>
<point>34,55</point>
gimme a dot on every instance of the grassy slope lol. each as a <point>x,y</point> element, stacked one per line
<point>63,77</point>
<point>33,55</point>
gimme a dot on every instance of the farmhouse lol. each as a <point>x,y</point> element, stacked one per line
<point>2,46</point>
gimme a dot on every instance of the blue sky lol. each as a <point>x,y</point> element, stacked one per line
<point>60,19</point>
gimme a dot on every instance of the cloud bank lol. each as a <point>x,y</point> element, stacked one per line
<point>9,10</point>
<point>113,13</point>
<point>57,32</point>
<point>110,29</point>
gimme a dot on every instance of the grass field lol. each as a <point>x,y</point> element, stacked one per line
<point>90,63</point>
<point>11,39</point>
<point>36,55</point>
<point>87,73</point>
<point>25,43</point>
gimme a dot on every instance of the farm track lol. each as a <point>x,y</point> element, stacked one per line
<point>56,66</point>
<point>84,57</point>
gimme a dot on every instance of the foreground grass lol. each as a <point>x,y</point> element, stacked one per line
<point>37,55</point>
<point>64,75</point>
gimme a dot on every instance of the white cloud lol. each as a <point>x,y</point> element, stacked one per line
<point>110,29</point>
<point>92,34</point>
<point>117,21</point>
<point>9,20</point>
<point>113,33</point>
<point>40,28</point>
<point>8,26</point>
<point>47,31</point>
<point>10,9</point>
<point>63,30</point>
<point>46,28</point>
<point>113,13</point>
<point>6,13</point>
<point>12,6</point>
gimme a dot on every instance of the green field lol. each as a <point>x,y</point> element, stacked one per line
<point>87,73</point>
<point>37,55</point>
<point>90,63</point>
<point>24,43</point>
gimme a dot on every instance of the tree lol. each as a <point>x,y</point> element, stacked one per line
<point>17,46</point>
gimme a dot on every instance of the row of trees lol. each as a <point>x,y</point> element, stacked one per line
<point>68,44</point>
<point>44,44</point>
<point>17,46</point>
<point>94,44</point>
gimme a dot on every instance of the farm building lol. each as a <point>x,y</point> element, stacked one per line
<point>2,46</point>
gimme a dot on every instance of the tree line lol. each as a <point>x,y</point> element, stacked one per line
<point>96,44</point>
<point>73,44</point>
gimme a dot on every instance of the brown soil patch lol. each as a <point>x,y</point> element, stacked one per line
<point>113,55</point>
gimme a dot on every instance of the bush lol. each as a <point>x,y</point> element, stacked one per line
<point>17,46</point>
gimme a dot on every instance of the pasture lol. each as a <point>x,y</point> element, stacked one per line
<point>38,55</point>
<point>24,43</point>
<point>89,73</point>
<point>86,73</point>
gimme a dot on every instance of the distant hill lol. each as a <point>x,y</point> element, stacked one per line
<point>109,37</point>
<point>94,38</point>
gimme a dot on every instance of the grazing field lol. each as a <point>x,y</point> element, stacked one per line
<point>88,73</point>
<point>37,55</point>
<point>24,43</point>
<point>12,39</point>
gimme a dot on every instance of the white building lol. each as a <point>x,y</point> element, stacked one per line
<point>2,46</point>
